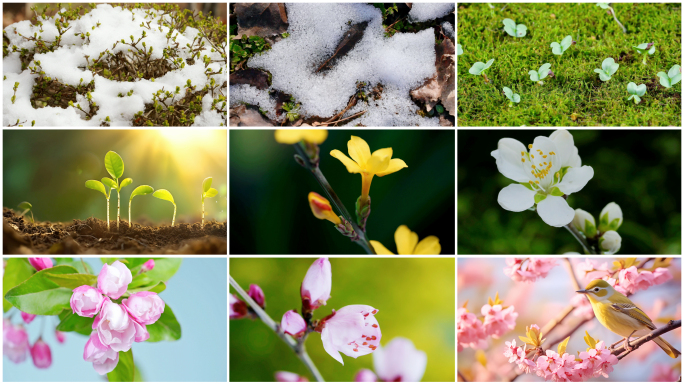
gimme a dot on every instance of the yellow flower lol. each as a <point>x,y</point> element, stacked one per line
<point>380,163</point>
<point>295,136</point>
<point>407,244</point>
<point>321,208</point>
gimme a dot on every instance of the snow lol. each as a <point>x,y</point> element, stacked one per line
<point>448,29</point>
<point>400,63</point>
<point>429,11</point>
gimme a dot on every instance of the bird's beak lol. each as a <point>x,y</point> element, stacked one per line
<point>582,291</point>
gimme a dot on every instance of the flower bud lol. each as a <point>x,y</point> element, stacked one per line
<point>283,376</point>
<point>238,309</point>
<point>610,218</point>
<point>145,307</point>
<point>15,343</point>
<point>610,242</point>
<point>365,375</point>
<point>293,324</point>
<point>113,280</point>
<point>40,263</point>
<point>585,223</point>
<point>257,295</point>
<point>86,301</point>
<point>61,336</point>
<point>27,317</point>
<point>317,284</point>
<point>551,74</point>
<point>147,266</point>
<point>40,352</point>
<point>321,209</point>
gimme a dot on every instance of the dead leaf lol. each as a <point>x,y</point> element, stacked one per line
<point>250,76</point>
<point>261,19</point>
<point>442,85</point>
<point>247,116</point>
<point>353,35</point>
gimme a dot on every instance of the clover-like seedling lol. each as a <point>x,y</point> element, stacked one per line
<point>560,48</point>
<point>514,98</point>
<point>98,186</point>
<point>459,49</point>
<point>672,77</point>
<point>115,167</point>
<point>609,68</point>
<point>26,207</point>
<point>207,192</point>
<point>645,49</point>
<point>140,190</point>
<point>514,30</point>
<point>537,76</point>
<point>636,91</point>
<point>166,195</point>
<point>479,68</point>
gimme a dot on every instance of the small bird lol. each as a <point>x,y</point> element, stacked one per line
<point>621,316</point>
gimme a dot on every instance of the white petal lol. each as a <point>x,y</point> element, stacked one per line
<point>329,345</point>
<point>564,145</point>
<point>543,147</point>
<point>516,197</point>
<point>509,159</point>
<point>555,211</point>
<point>575,160</point>
<point>575,179</point>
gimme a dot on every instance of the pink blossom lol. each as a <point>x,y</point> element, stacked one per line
<point>27,317</point>
<point>293,324</point>
<point>141,333</point>
<point>473,273</point>
<point>103,357</point>
<point>257,295</point>
<point>470,331</point>
<point>588,266</point>
<point>15,343</point>
<point>616,286</point>
<point>399,361</point>
<point>512,351</point>
<point>633,280</point>
<point>238,308</point>
<point>663,373</point>
<point>61,336</point>
<point>317,284</point>
<point>40,352</point>
<point>145,307</point>
<point>113,280</point>
<point>498,320</point>
<point>661,275</point>
<point>86,301</point>
<point>147,266</point>
<point>40,263</point>
<point>114,327</point>
<point>541,266</point>
<point>524,364</point>
<point>582,306</point>
<point>352,330</point>
<point>283,376</point>
<point>365,375</point>
<point>535,268</point>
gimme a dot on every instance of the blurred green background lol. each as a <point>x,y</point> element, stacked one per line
<point>414,296</point>
<point>270,212</point>
<point>49,169</point>
<point>640,170</point>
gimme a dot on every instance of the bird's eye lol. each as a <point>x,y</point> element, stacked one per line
<point>596,289</point>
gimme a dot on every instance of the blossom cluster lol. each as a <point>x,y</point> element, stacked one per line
<point>496,321</point>
<point>533,269</point>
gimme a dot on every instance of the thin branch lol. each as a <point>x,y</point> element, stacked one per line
<point>571,271</point>
<point>621,352</point>
<point>461,376</point>
<point>300,351</point>
<point>580,238</point>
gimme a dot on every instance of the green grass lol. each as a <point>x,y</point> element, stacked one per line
<point>576,96</point>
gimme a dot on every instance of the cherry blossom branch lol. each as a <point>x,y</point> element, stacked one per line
<point>621,352</point>
<point>297,347</point>
<point>580,238</point>
<point>571,271</point>
<point>461,376</point>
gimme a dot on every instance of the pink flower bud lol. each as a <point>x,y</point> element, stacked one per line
<point>238,309</point>
<point>365,375</point>
<point>289,377</point>
<point>147,266</point>
<point>40,263</point>
<point>113,280</point>
<point>114,327</point>
<point>353,330</point>
<point>86,301</point>
<point>15,343</point>
<point>257,295</point>
<point>61,336</point>
<point>40,352</point>
<point>317,284</point>
<point>399,361</point>
<point>145,307</point>
<point>293,324</point>
<point>103,357</point>
<point>27,317</point>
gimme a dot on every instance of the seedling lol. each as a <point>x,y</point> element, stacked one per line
<point>115,167</point>
<point>636,91</point>
<point>611,11</point>
<point>543,72</point>
<point>645,49</point>
<point>479,67</point>
<point>26,207</point>
<point>514,98</point>
<point>292,109</point>
<point>560,48</point>
<point>166,195</point>
<point>98,186</point>
<point>140,190</point>
<point>207,192</point>
<point>609,66</point>
<point>459,49</point>
<point>514,30</point>
<point>672,77</point>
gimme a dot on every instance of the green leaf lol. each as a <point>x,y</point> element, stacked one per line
<point>17,271</point>
<point>508,92</point>
<point>125,183</point>
<point>141,190</point>
<point>155,288</point>
<point>98,186</point>
<point>614,224</point>
<point>25,206</point>
<point>39,295</point>
<point>556,48</point>
<point>72,281</point>
<point>206,184</point>
<point>125,369</point>
<point>211,193</point>
<point>165,195</point>
<point>78,265</point>
<point>71,322</point>
<point>166,328</point>
<point>534,76</point>
<point>114,164</point>
<point>110,183</point>
<point>589,229</point>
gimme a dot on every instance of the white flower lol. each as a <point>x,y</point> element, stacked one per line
<point>610,218</point>
<point>552,168</point>
<point>585,223</point>
<point>610,242</point>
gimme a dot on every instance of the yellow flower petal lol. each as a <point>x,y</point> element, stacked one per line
<point>350,164</point>
<point>294,136</point>
<point>383,152</point>
<point>359,150</point>
<point>378,162</point>
<point>428,246</point>
<point>380,249</point>
<point>394,166</point>
<point>406,240</point>
<point>315,136</point>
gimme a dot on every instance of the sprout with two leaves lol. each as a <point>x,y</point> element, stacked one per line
<point>636,91</point>
<point>115,167</point>
<point>645,49</point>
<point>207,192</point>
<point>609,68</point>
<point>672,77</point>
<point>98,186</point>
<point>560,48</point>
<point>544,71</point>
<point>514,30</point>
<point>166,195</point>
<point>514,98</point>
<point>140,190</point>
<point>26,206</point>
<point>479,67</point>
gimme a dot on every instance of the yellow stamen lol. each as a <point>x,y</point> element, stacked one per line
<point>533,166</point>
<point>532,156</point>
<point>557,175</point>
<point>552,153</point>
<point>544,156</point>
<point>529,146</point>
<point>522,153</point>
<point>536,181</point>
<point>523,160</point>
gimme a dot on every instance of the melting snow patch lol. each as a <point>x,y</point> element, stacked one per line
<point>448,29</point>
<point>429,11</point>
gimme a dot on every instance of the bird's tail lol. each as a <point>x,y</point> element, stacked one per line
<point>669,349</point>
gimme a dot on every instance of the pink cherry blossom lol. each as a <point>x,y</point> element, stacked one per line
<point>147,266</point>
<point>498,320</point>
<point>15,343</point>
<point>27,317</point>
<point>317,284</point>
<point>257,295</point>
<point>524,364</point>
<point>238,308</point>
<point>661,275</point>
<point>511,351</point>
<point>533,269</point>
<point>365,375</point>
<point>145,307</point>
<point>613,282</point>
<point>633,280</point>
<point>61,336</point>
<point>113,280</point>
<point>588,266</point>
<point>582,306</point>
<point>663,373</point>
<point>114,327</point>
<point>283,376</point>
<point>293,324</point>
<point>470,331</point>
<point>40,263</point>
<point>103,357</point>
<point>86,301</point>
<point>40,352</point>
<point>399,361</point>
<point>352,330</point>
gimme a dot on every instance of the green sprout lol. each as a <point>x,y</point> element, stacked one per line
<point>166,195</point>
<point>645,49</point>
<point>140,190</point>
<point>207,192</point>
<point>26,207</point>
<point>98,186</point>
<point>479,67</point>
<point>115,167</point>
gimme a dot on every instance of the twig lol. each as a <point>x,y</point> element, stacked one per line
<point>580,238</point>
<point>352,102</point>
<point>575,282</point>
<point>349,117</point>
<point>461,376</point>
<point>621,352</point>
<point>392,25</point>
